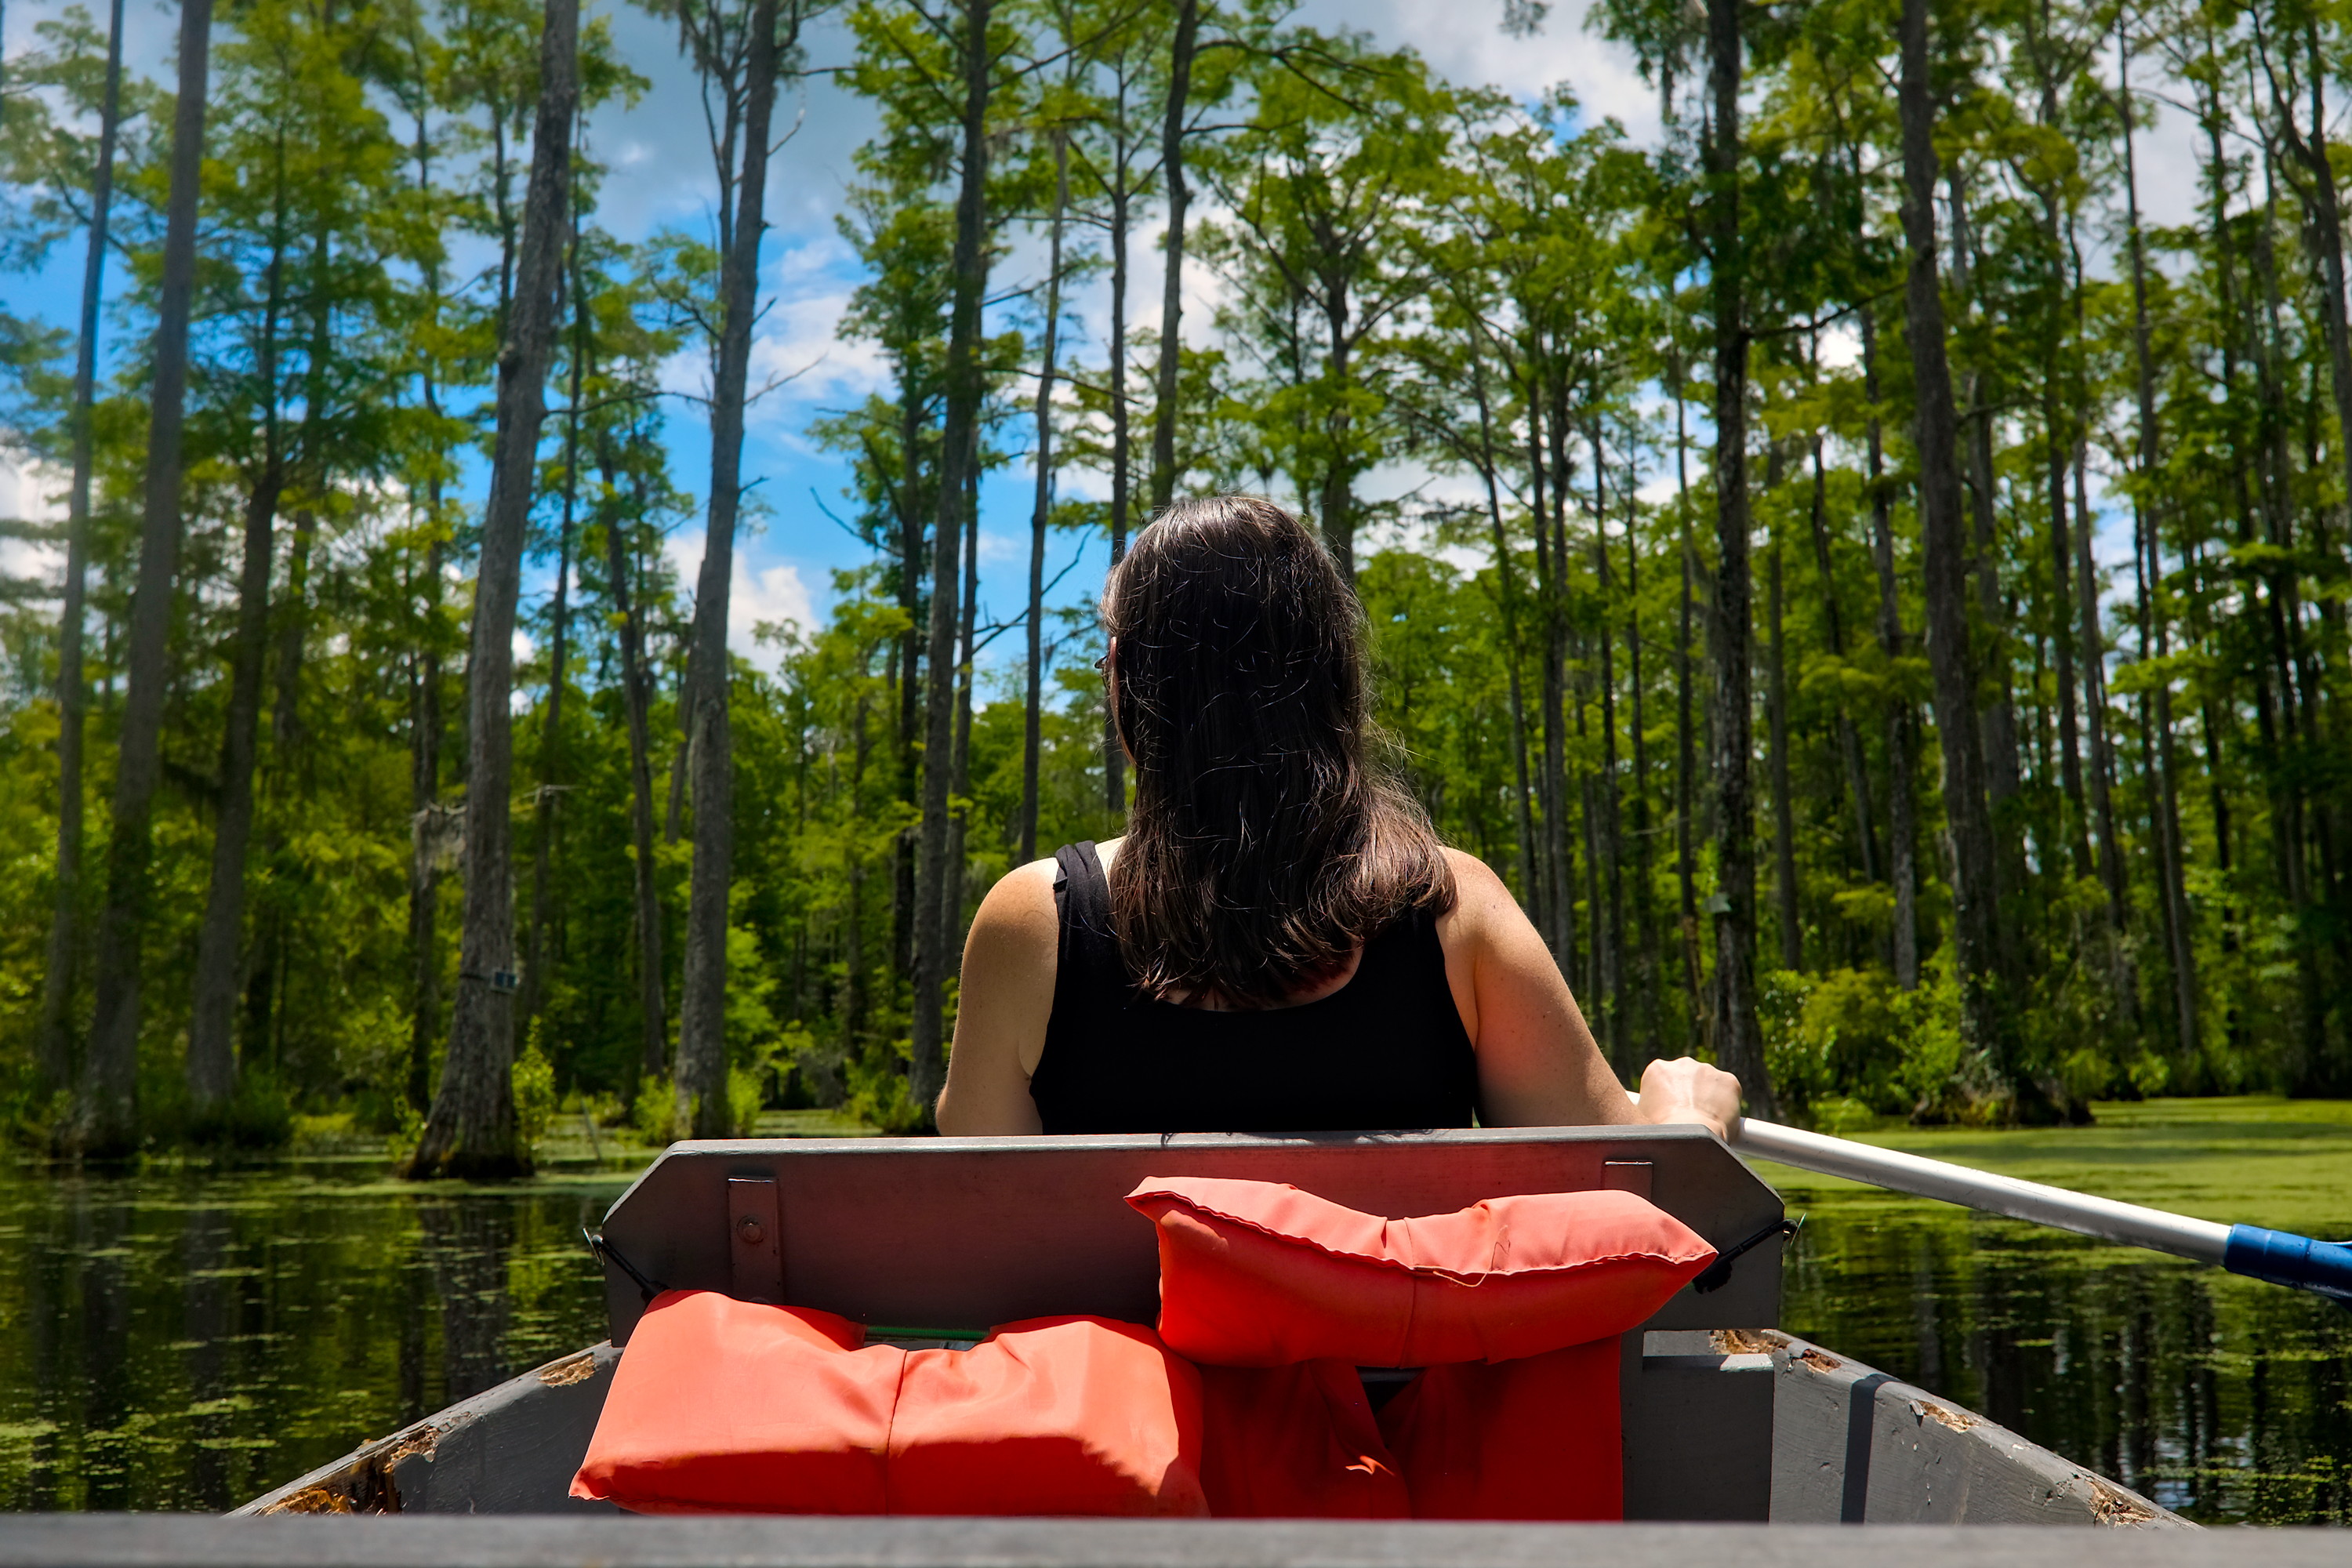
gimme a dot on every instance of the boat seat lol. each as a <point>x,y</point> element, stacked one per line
<point>930,1239</point>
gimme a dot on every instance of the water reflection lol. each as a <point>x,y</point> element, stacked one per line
<point>188,1340</point>
<point>2222,1397</point>
<point>185,1340</point>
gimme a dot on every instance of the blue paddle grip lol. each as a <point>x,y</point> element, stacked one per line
<point>2284,1258</point>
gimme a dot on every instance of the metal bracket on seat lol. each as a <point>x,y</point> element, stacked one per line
<point>755,1239</point>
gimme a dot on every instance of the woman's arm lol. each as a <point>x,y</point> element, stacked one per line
<point>1538,1064</point>
<point>1001,1008</point>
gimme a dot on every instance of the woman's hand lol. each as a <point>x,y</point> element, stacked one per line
<point>1688,1090</point>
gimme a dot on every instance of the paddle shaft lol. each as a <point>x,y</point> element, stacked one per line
<point>2279,1257</point>
<point>2103,1217</point>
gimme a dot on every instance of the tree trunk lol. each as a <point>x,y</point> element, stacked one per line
<point>107,1122</point>
<point>1031,734</point>
<point>1506,592</point>
<point>2328,1070</point>
<point>637,696</point>
<point>1738,1045</point>
<point>1857,774</point>
<point>1643,1017</point>
<point>1562,650</point>
<point>1686,726</point>
<point>295,610</point>
<point>212,1056</point>
<point>959,827</point>
<point>1612,827</point>
<point>2061,575</point>
<point>425,726</point>
<point>961,830</point>
<point>539,956</point>
<point>1171,298</point>
<point>1121,461</point>
<point>2056,459</point>
<point>1337,500</point>
<point>910,660</point>
<point>2233,320</point>
<point>2164,802</point>
<point>471,1131</point>
<point>2174,889</point>
<point>1784,809</point>
<point>1594,982</point>
<point>1902,812</point>
<point>1999,716</point>
<point>1559,926</point>
<point>702,1004</point>
<point>1944,570</point>
<point>965,386</point>
<point>2326,233</point>
<point>2091,656</point>
<point>288,666</point>
<point>855,986</point>
<point>424,866</point>
<point>53,1052</point>
<point>2279,709</point>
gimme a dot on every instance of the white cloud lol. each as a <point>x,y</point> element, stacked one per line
<point>34,493</point>
<point>757,595</point>
<point>772,596</point>
<point>796,344</point>
<point>1466,44</point>
<point>1079,484</point>
<point>798,340</point>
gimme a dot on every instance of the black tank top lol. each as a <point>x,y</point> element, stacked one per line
<point>1385,1052</point>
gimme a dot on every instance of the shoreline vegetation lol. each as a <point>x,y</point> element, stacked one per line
<point>1868,565</point>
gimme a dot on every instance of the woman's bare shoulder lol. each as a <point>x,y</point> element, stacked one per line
<point>1479,895</point>
<point>1019,910</point>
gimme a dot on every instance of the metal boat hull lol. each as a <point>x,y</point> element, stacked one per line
<point>1758,1426</point>
<point>1726,1418</point>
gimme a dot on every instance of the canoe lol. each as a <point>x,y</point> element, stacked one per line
<point>1726,1418</point>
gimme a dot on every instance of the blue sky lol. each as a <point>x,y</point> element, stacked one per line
<point>660,177</point>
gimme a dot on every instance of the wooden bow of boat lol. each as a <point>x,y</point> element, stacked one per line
<point>1726,1418</point>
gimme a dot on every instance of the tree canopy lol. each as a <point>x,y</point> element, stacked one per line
<point>1877,595</point>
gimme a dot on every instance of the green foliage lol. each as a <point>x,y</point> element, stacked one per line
<point>534,1093</point>
<point>1469,336</point>
<point>1801,1059</point>
<point>654,1118</point>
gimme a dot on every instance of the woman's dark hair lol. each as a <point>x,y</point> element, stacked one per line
<point>1267,840</point>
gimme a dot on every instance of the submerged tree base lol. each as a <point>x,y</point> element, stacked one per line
<point>465,1166</point>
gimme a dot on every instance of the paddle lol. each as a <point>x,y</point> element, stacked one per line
<point>2279,1256</point>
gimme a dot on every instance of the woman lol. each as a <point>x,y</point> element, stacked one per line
<point>1278,944</point>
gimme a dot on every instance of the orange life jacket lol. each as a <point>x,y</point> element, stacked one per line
<point>728,1406</point>
<point>1513,1306</point>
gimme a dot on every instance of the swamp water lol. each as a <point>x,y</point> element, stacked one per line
<point>188,1338</point>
